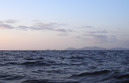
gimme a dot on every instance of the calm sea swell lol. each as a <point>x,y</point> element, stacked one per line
<point>64,66</point>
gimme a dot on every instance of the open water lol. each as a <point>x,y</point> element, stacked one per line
<point>64,66</point>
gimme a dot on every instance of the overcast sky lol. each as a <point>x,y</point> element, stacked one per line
<point>59,24</point>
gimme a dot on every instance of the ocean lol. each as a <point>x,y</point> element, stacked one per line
<point>56,66</point>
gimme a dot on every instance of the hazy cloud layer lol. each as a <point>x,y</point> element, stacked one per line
<point>97,38</point>
<point>6,26</point>
<point>1,22</point>
<point>3,25</point>
<point>102,31</point>
<point>61,30</point>
<point>43,26</point>
<point>104,38</point>
<point>64,30</point>
<point>11,21</point>
<point>37,26</point>
<point>100,38</point>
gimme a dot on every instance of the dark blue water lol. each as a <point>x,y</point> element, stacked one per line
<point>64,66</point>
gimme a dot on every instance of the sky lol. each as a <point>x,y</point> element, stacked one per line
<point>59,24</point>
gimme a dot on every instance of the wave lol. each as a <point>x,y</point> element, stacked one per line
<point>35,63</point>
<point>123,76</point>
<point>64,66</point>
<point>36,81</point>
<point>46,81</point>
<point>91,73</point>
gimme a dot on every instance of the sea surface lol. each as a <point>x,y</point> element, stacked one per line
<point>64,66</point>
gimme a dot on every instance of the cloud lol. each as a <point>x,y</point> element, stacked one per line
<point>24,27</point>
<point>1,22</point>
<point>63,30</point>
<point>37,26</point>
<point>98,38</point>
<point>11,21</point>
<point>104,38</point>
<point>41,26</point>
<point>103,31</point>
<point>6,26</point>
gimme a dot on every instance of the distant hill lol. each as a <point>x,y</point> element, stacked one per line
<point>92,48</point>
<point>96,48</point>
<point>71,48</point>
<point>119,48</point>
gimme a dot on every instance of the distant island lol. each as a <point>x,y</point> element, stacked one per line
<point>97,48</point>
